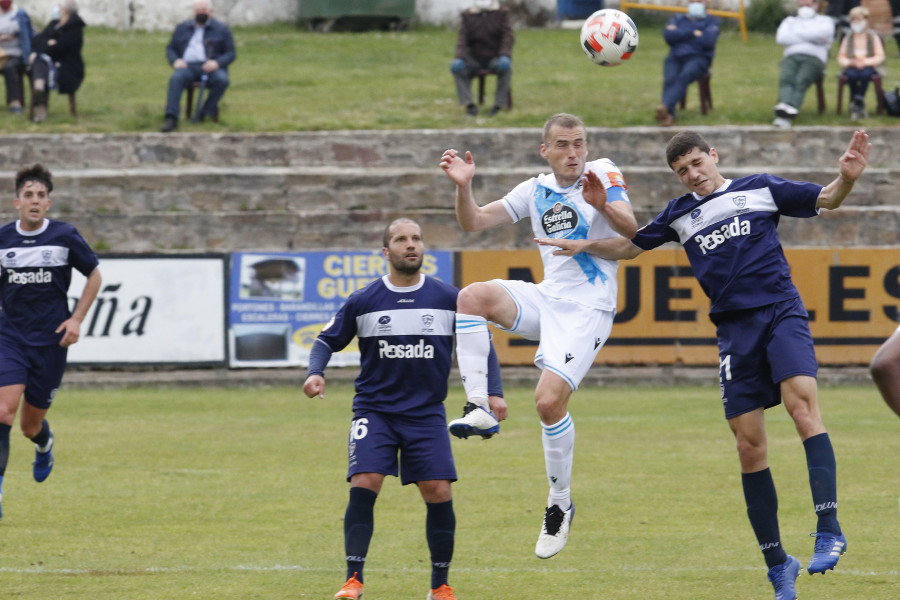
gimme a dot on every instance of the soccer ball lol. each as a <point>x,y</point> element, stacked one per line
<point>609,37</point>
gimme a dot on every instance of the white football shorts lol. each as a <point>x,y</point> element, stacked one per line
<point>569,334</point>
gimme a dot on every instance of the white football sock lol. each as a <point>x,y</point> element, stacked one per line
<point>473,344</point>
<point>559,450</point>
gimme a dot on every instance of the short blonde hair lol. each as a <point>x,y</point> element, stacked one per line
<point>859,12</point>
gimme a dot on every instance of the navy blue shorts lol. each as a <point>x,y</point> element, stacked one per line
<point>40,368</point>
<point>758,349</point>
<point>423,445</point>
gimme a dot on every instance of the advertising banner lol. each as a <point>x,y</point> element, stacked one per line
<point>852,295</point>
<point>279,302</point>
<point>154,309</point>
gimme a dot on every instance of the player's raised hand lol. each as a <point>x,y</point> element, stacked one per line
<point>314,386</point>
<point>566,247</point>
<point>458,170</point>
<point>593,191</point>
<point>853,161</point>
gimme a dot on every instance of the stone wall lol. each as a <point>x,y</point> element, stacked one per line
<point>336,189</point>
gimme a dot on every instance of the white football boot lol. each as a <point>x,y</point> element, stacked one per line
<point>554,531</point>
<point>475,421</point>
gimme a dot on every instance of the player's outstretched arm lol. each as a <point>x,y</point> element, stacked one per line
<point>619,215</point>
<point>852,163</point>
<point>471,217</point>
<point>608,248</point>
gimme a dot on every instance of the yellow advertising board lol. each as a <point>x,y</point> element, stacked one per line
<point>852,295</point>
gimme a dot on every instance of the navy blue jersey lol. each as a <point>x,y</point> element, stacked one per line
<point>731,238</point>
<point>405,344</point>
<point>35,272</point>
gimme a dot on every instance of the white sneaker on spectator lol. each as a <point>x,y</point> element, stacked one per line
<point>782,123</point>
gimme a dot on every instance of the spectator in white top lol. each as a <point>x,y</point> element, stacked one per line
<point>806,39</point>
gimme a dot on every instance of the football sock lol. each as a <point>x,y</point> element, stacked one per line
<point>440,528</point>
<point>559,449</point>
<point>4,448</point>
<point>762,508</point>
<point>823,481</point>
<point>42,437</point>
<point>359,523</point>
<point>473,344</point>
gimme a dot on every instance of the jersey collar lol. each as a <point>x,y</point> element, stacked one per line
<point>38,231</point>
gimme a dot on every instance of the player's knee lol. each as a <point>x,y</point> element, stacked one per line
<point>880,368</point>
<point>473,299</point>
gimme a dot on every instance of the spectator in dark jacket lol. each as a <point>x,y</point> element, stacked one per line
<point>692,43</point>
<point>55,60</point>
<point>201,47</point>
<point>15,48</point>
<point>485,42</point>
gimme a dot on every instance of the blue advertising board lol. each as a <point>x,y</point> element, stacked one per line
<point>279,301</point>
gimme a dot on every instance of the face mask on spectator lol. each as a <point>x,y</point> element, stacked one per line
<point>696,10</point>
<point>201,18</point>
<point>5,4</point>
<point>806,12</point>
<point>858,26</point>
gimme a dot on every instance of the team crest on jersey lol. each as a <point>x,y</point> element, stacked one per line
<point>427,322</point>
<point>696,218</point>
<point>740,201</point>
<point>559,220</point>
<point>46,255</point>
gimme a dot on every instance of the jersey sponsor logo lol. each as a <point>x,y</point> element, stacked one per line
<point>19,278</point>
<point>719,236</point>
<point>420,350</point>
<point>559,218</point>
<point>696,218</point>
<point>384,324</point>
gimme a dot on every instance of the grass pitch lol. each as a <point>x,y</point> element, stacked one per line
<point>208,493</point>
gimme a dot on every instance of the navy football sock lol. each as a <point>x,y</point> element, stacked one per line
<point>762,508</point>
<point>359,523</point>
<point>4,448</point>
<point>823,481</point>
<point>440,529</point>
<point>43,435</point>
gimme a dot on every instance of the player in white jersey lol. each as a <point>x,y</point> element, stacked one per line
<point>766,355</point>
<point>570,312</point>
<point>36,326</point>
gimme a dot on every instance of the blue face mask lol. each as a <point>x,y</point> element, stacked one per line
<point>696,10</point>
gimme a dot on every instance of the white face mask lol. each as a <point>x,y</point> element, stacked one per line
<point>859,26</point>
<point>806,12</point>
<point>696,10</point>
<point>483,4</point>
